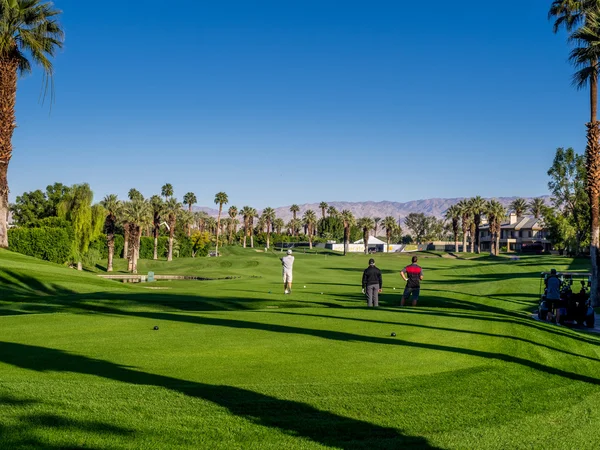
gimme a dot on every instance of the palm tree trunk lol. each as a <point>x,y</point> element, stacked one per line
<point>218,226</point>
<point>593,188</point>
<point>126,240</point>
<point>346,246</point>
<point>110,241</point>
<point>8,87</point>
<point>464,242</point>
<point>171,233</point>
<point>497,243</point>
<point>155,252</point>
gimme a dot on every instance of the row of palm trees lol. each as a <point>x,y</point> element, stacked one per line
<point>466,216</point>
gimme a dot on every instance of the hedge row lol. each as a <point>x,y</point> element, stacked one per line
<point>50,244</point>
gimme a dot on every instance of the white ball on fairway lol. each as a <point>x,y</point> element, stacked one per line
<point>394,288</point>
<point>321,293</point>
<point>304,287</point>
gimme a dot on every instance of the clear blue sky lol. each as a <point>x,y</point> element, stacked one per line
<point>279,102</point>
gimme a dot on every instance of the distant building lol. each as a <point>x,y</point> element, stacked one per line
<point>518,234</point>
<point>375,246</point>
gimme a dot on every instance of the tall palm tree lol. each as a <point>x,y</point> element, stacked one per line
<point>28,29</point>
<point>202,217</point>
<point>232,212</point>
<point>495,213</point>
<point>332,211</point>
<point>536,207</point>
<point>390,224</point>
<point>278,224</point>
<point>167,191</point>
<point>453,213</point>
<point>220,199</point>
<point>138,214</point>
<point>348,220</point>
<point>465,221</point>
<point>246,213</point>
<point>323,206</point>
<point>310,220</point>
<point>134,194</point>
<point>112,205</point>
<point>190,200</point>
<point>268,216</point>
<point>477,207</point>
<point>366,224</point>
<point>157,205</point>
<point>570,14</point>
<point>253,214</point>
<point>376,220</point>
<point>294,210</point>
<point>171,211</point>
<point>519,206</point>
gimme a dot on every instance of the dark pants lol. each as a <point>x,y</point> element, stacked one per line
<point>373,295</point>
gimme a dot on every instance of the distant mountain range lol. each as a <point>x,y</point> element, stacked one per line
<point>430,207</point>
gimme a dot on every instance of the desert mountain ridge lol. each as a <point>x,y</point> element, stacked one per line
<point>431,207</point>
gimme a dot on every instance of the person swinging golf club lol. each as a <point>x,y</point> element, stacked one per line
<point>288,263</point>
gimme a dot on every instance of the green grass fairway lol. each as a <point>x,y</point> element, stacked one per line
<point>236,364</point>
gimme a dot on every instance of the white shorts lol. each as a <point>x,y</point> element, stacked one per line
<point>287,277</point>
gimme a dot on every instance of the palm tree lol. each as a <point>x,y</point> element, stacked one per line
<point>569,14</point>
<point>348,220</point>
<point>376,220</point>
<point>233,212</point>
<point>246,213</point>
<point>138,214</point>
<point>220,199</point>
<point>157,205</point>
<point>268,216</point>
<point>495,213</point>
<point>453,213</point>
<point>278,224</point>
<point>465,220</point>
<point>167,191</point>
<point>366,224</point>
<point>171,210</point>
<point>390,224</point>
<point>332,212</point>
<point>134,194</point>
<point>190,200</point>
<point>28,28</point>
<point>294,210</point>
<point>112,205</point>
<point>202,217</point>
<point>323,206</point>
<point>519,206</point>
<point>536,207</point>
<point>310,220</point>
<point>477,207</point>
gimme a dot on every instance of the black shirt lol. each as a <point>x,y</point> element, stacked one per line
<point>372,275</point>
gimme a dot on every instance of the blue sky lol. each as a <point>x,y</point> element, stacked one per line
<point>279,102</point>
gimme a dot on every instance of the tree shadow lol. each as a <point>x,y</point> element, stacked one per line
<point>18,285</point>
<point>291,417</point>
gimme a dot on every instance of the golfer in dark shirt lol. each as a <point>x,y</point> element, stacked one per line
<point>412,274</point>
<point>372,283</point>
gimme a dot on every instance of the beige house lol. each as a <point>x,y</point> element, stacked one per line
<point>518,234</point>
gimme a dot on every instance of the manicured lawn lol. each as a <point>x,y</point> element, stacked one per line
<point>236,364</point>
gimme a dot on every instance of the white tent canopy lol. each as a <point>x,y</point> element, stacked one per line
<point>372,241</point>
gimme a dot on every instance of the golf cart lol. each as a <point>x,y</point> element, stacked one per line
<point>579,311</point>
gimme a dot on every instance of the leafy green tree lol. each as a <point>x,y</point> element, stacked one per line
<point>200,240</point>
<point>582,20</point>
<point>323,206</point>
<point>536,207</point>
<point>331,227</point>
<point>348,221</point>
<point>453,214</point>
<point>366,224</point>
<point>113,206</point>
<point>29,208</point>
<point>171,211</point>
<point>220,199</point>
<point>87,220</point>
<point>310,219</point>
<point>519,206</point>
<point>29,32</point>
<point>418,224</point>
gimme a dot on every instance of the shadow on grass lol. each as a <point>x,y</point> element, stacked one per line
<point>294,418</point>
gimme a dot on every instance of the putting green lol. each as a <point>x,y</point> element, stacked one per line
<point>233,366</point>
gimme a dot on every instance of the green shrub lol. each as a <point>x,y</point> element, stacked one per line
<point>92,257</point>
<point>50,244</point>
<point>147,247</point>
<point>101,245</point>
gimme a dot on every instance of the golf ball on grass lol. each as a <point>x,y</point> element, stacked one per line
<point>393,334</point>
<point>156,327</point>
<point>304,287</point>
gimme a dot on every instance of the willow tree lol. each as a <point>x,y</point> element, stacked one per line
<point>29,33</point>
<point>86,220</point>
<point>582,20</point>
<point>112,205</point>
<point>220,199</point>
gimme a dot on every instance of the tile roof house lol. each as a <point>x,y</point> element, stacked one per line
<point>517,234</point>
